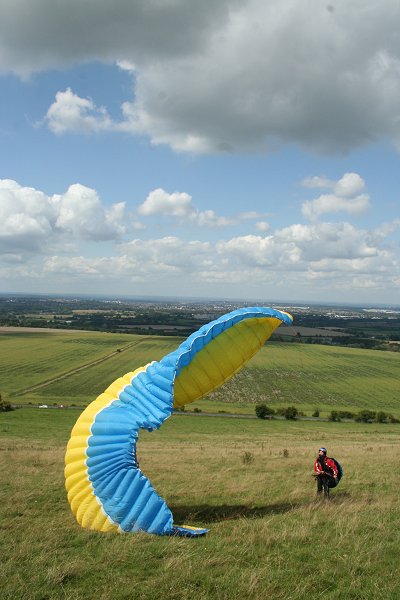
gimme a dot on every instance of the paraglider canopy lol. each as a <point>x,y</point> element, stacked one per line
<point>106,489</point>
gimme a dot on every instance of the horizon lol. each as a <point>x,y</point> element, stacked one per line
<point>205,300</point>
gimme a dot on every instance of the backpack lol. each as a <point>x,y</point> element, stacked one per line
<point>339,468</point>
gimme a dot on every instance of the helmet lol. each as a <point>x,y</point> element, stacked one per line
<point>324,450</point>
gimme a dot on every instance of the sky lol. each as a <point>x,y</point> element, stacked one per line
<point>217,149</point>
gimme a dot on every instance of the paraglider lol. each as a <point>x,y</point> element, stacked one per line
<point>107,491</point>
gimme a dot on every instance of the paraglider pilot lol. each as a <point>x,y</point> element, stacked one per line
<point>325,468</point>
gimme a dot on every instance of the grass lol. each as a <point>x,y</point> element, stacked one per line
<point>281,374</point>
<point>269,536</point>
<point>314,376</point>
<point>28,359</point>
<point>31,359</point>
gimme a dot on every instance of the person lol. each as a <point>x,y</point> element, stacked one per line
<point>326,472</point>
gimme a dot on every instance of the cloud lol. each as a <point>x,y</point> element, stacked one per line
<point>292,258</point>
<point>329,203</point>
<point>288,262</point>
<point>54,35</point>
<point>80,212</point>
<point>328,241</point>
<point>58,239</point>
<point>180,205</point>
<point>160,202</point>
<point>27,217</point>
<point>70,113</point>
<point>31,221</point>
<point>222,76</point>
<point>262,226</point>
<point>139,260</point>
<point>317,181</point>
<point>345,196</point>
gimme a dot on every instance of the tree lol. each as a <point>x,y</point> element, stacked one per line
<point>345,414</point>
<point>366,416</point>
<point>263,411</point>
<point>291,413</point>
<point>5,406</point>
<point>334,416</point>
<point>393,419</point>
<point>381,417</point>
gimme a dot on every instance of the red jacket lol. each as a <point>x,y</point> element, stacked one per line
<point>331,467</point>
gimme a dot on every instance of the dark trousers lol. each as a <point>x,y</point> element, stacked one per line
<point>330,481</point>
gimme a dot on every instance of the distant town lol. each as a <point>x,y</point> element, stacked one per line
<point>365,327</point>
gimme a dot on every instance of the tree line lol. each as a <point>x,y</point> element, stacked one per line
<point>263,411</point>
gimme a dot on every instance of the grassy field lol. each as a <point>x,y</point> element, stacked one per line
<point>28,359</point>
<point>269,536</point>
<point>281,374</point>
<point>316,376</point>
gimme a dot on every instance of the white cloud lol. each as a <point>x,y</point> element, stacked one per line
<point>27,217</point>
<point>336,257</point>
<point>160,202</point>
<point>70,113</point>
<point>345,196</point>
<point>30,221</point>
<point>318,181</point>
<point>225,75</point>
<point>36,232</point>
<point>80,212</point>
<point>169,254</point>
<point>138,260</point>
<point>179,205</point>
<point>262,226</point>
<point>349,185</point>
<point>329,203</point>
<point>328,241</point>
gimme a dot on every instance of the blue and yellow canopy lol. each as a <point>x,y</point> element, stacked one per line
<point>106,489</point>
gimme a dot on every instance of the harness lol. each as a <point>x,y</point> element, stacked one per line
<point>325,467</point>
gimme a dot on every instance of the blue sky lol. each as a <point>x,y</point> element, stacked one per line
<point>227,149</point>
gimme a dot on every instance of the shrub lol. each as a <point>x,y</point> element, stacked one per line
<point>345,414</point>
<point>366,416</point>
<point>381,417</point>
<point>334,416</point>
<point>281,411</point>
<point>316,413</point>
<point>291,413</point>
<point>5,406</point>
<point>263,411</point>
<point>393,419</point>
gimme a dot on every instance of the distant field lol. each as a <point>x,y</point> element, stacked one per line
<point>30,358</point>
<point>307,375</point>
<point>269,537</point>
<point>314,376</point>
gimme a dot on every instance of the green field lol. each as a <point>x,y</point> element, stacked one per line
<point>281,374</point>
<point>269,536</point>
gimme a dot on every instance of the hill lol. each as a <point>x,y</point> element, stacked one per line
<point>71,368</point>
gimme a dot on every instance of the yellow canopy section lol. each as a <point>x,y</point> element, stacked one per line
<point>221,358</point>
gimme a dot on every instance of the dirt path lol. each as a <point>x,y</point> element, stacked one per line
<point>81,368</point>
